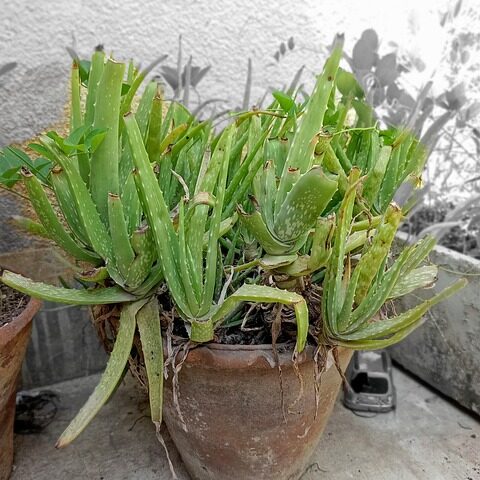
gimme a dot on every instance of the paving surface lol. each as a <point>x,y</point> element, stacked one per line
<point>426,438</point>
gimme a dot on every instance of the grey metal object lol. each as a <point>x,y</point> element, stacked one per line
<point>370,382</point>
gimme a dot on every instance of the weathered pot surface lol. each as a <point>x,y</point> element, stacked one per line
<point>231,402</point>
<point>14,337</point>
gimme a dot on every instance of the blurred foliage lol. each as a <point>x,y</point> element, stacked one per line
<point>463,237</point>
<point>446,123</point>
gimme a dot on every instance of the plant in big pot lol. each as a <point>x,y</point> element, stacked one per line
<point>243,265</point>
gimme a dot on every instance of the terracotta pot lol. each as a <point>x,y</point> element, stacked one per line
<point>14,337</point>
<point>231,401</point>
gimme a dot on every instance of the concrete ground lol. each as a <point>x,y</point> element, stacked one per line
<point>426,438</point>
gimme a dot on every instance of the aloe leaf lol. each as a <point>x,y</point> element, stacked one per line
<point>144,109</point>
<point>157,212</point>
<point>347,307</point>
<point>71,296</point>
<point>155,128</point>
<point>111,376</point>
<point>172,137</point>
<point>389,183</point>
<point>298,268</point>
<point>50,221</point>
<point>363,150</point>
<point>381,328</point>
<point>378,344</point>
<point>358,239</point>
<point>192,293</point>
<point>148,321</point>
<point>321,243</point>
<point>67,204</point>
<point>122,249</point>
<point>372,258</point>
<point>290,178</point>
<point>415,162</point>
<point>421,249</point>
<point>243,178</point>
<point>330,161</point>
<point>76,111</point>
<point>304,203</point>
<point>196,227</point>
<point>268,190</point>
<point>264,294</point>
<point>312,119</point>
<point>131,204</point>
<point>254,133</point>
<point>131,71</point>
<point>375,176</point>
<point>104,177</point>
<point>332,301</point>
<point>144,247</point>
<point>96,231</point>
<point>192,133</point>
<point>96,71</point>
<point>30,226</point>
<point>167,121</point>
<point>237,149</point>
<point>405,144</point>
<point>378,293</point>
<point>271,262</point>
<point>256,227</point>
<point>223,148</point>
<point>96,275</point>
<point>150,284</point>
<point>418,278</point>
<point>225,226</point>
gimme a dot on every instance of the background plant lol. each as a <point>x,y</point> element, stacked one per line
<point>446,123</point>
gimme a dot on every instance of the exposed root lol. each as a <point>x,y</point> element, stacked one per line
<point>300,379</point>
<point>243,326</point>
<point>169,335</point>
<point>319,363</point>
<point>105,321</point>
<point>176,368</point>
<point>158,433</point>
<point>276,327</point>
<point>336,359</point>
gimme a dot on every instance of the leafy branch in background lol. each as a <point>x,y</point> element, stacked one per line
<point>444,123</point>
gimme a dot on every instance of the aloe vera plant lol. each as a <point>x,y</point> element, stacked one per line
<point>285,206</point>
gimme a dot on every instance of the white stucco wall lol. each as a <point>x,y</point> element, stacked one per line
<point>223,34</point>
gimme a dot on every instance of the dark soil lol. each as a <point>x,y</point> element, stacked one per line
<point>12,303</point>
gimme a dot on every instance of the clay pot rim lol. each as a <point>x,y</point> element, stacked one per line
<point>12,328</point>
<point>234,357</point>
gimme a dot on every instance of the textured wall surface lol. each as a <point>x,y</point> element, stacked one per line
<point>222,34</point>
<point>445,350</point>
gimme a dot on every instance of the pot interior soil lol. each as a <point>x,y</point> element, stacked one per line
<point>12,303</point>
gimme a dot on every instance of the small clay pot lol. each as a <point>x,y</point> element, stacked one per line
<point>239,424</point>
<point>14,337</point>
